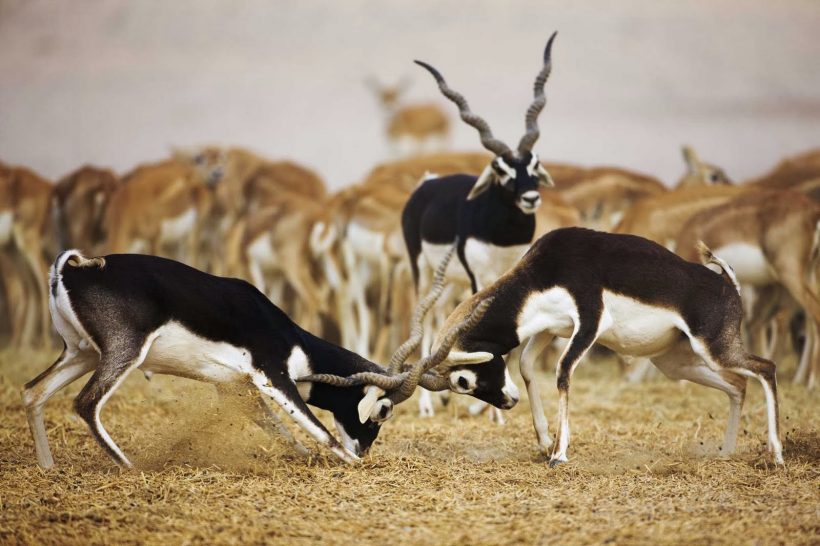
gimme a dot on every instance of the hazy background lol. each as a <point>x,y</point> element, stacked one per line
<point>117,83</point>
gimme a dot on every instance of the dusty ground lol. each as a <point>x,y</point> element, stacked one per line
<point>643,468</point>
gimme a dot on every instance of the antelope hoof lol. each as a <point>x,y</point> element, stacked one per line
<point>497,417</point>
<point>556,461</point>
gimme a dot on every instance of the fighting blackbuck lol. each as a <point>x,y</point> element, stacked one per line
<point>491,217</point>
<point>121,312</point>
<point>630,295</point>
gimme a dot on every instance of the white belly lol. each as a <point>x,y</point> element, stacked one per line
<point>261,252</point>
<point>6,222</point>
<point>552,311</point>
<point>178,351</point>
<point>175,229</point>
<point>626,326</point>
<point>634,328</point>
<point>748,261</point>
<point>488,262</point>
<point>365,243</point>
<point>433,254</point>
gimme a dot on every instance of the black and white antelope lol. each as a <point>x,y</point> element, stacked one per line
<point>121,312</point>
<point>491,217</point>
<point>629,294</point>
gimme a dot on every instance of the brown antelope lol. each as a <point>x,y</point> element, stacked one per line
<point>660,218</point>
<point>243,182</point>
<point>26,235</point>
<point>700,174</point>
<point>603,194</point>
<point>278,245</point>
<point>769,237</point>
<point>791,171</point>
<point>159,209</point>
<point>413,126</point>
<point>82,196</point>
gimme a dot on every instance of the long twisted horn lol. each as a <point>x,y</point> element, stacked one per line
<point>426,364</point>
<point>531,120</point>
<point>384,382</point>
<point>416,326</point>
<point>487,139</point>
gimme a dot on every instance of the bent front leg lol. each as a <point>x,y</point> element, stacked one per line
<point>287,396</point>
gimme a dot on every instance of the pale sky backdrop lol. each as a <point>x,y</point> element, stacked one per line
<point>116,83</point>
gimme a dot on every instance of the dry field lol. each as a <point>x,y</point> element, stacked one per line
<point>643,469</point>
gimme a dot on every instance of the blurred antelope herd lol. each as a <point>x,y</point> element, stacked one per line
<point>336,262</point>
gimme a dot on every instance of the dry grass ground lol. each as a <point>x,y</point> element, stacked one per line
<point>643,469</point>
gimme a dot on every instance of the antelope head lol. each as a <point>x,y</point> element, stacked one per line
<point>518,173</point>
<point>398,382</point>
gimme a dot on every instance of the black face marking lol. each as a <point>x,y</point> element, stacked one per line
<point>438,211</point>
<point>490,380</point>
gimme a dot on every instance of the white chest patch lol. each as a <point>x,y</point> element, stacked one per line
<point>178,351</point>
<point>6,222</point>
<point>748,261</point>
<point>634,328</point>
<point>552,311</point>
<point>175,229</point>
<point>488,262</point>
<point>299,366</point>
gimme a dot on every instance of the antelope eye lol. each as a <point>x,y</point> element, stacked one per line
<point>715,176</point>
<point>463,381</point>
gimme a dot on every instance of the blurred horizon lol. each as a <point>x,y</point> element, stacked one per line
<point>117,84</point>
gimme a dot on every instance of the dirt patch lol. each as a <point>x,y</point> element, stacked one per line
<point>643,468</point>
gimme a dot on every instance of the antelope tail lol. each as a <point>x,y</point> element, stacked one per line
<point>708,257</point>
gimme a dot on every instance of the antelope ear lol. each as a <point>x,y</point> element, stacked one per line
<point>463,357</point>
<point>544,177</point>
<point>691,159</point>
<point>367,403</point>
<point>483,183</point>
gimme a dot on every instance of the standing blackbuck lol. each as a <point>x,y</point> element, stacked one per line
<point>126,311</point>
<point>491,217</point>
<point>629,294</point>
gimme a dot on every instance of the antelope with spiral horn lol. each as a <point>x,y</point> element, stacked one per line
<point>492,216</point>
<point>121,312</point>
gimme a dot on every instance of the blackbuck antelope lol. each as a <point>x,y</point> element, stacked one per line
<point>632,296</point>
<point>492,216</point>
<point>121,312</point>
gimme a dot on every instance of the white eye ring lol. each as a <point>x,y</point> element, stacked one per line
<point>461,382</point>
<point>382,411</point>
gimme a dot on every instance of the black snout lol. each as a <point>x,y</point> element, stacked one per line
<point>510,402</point>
